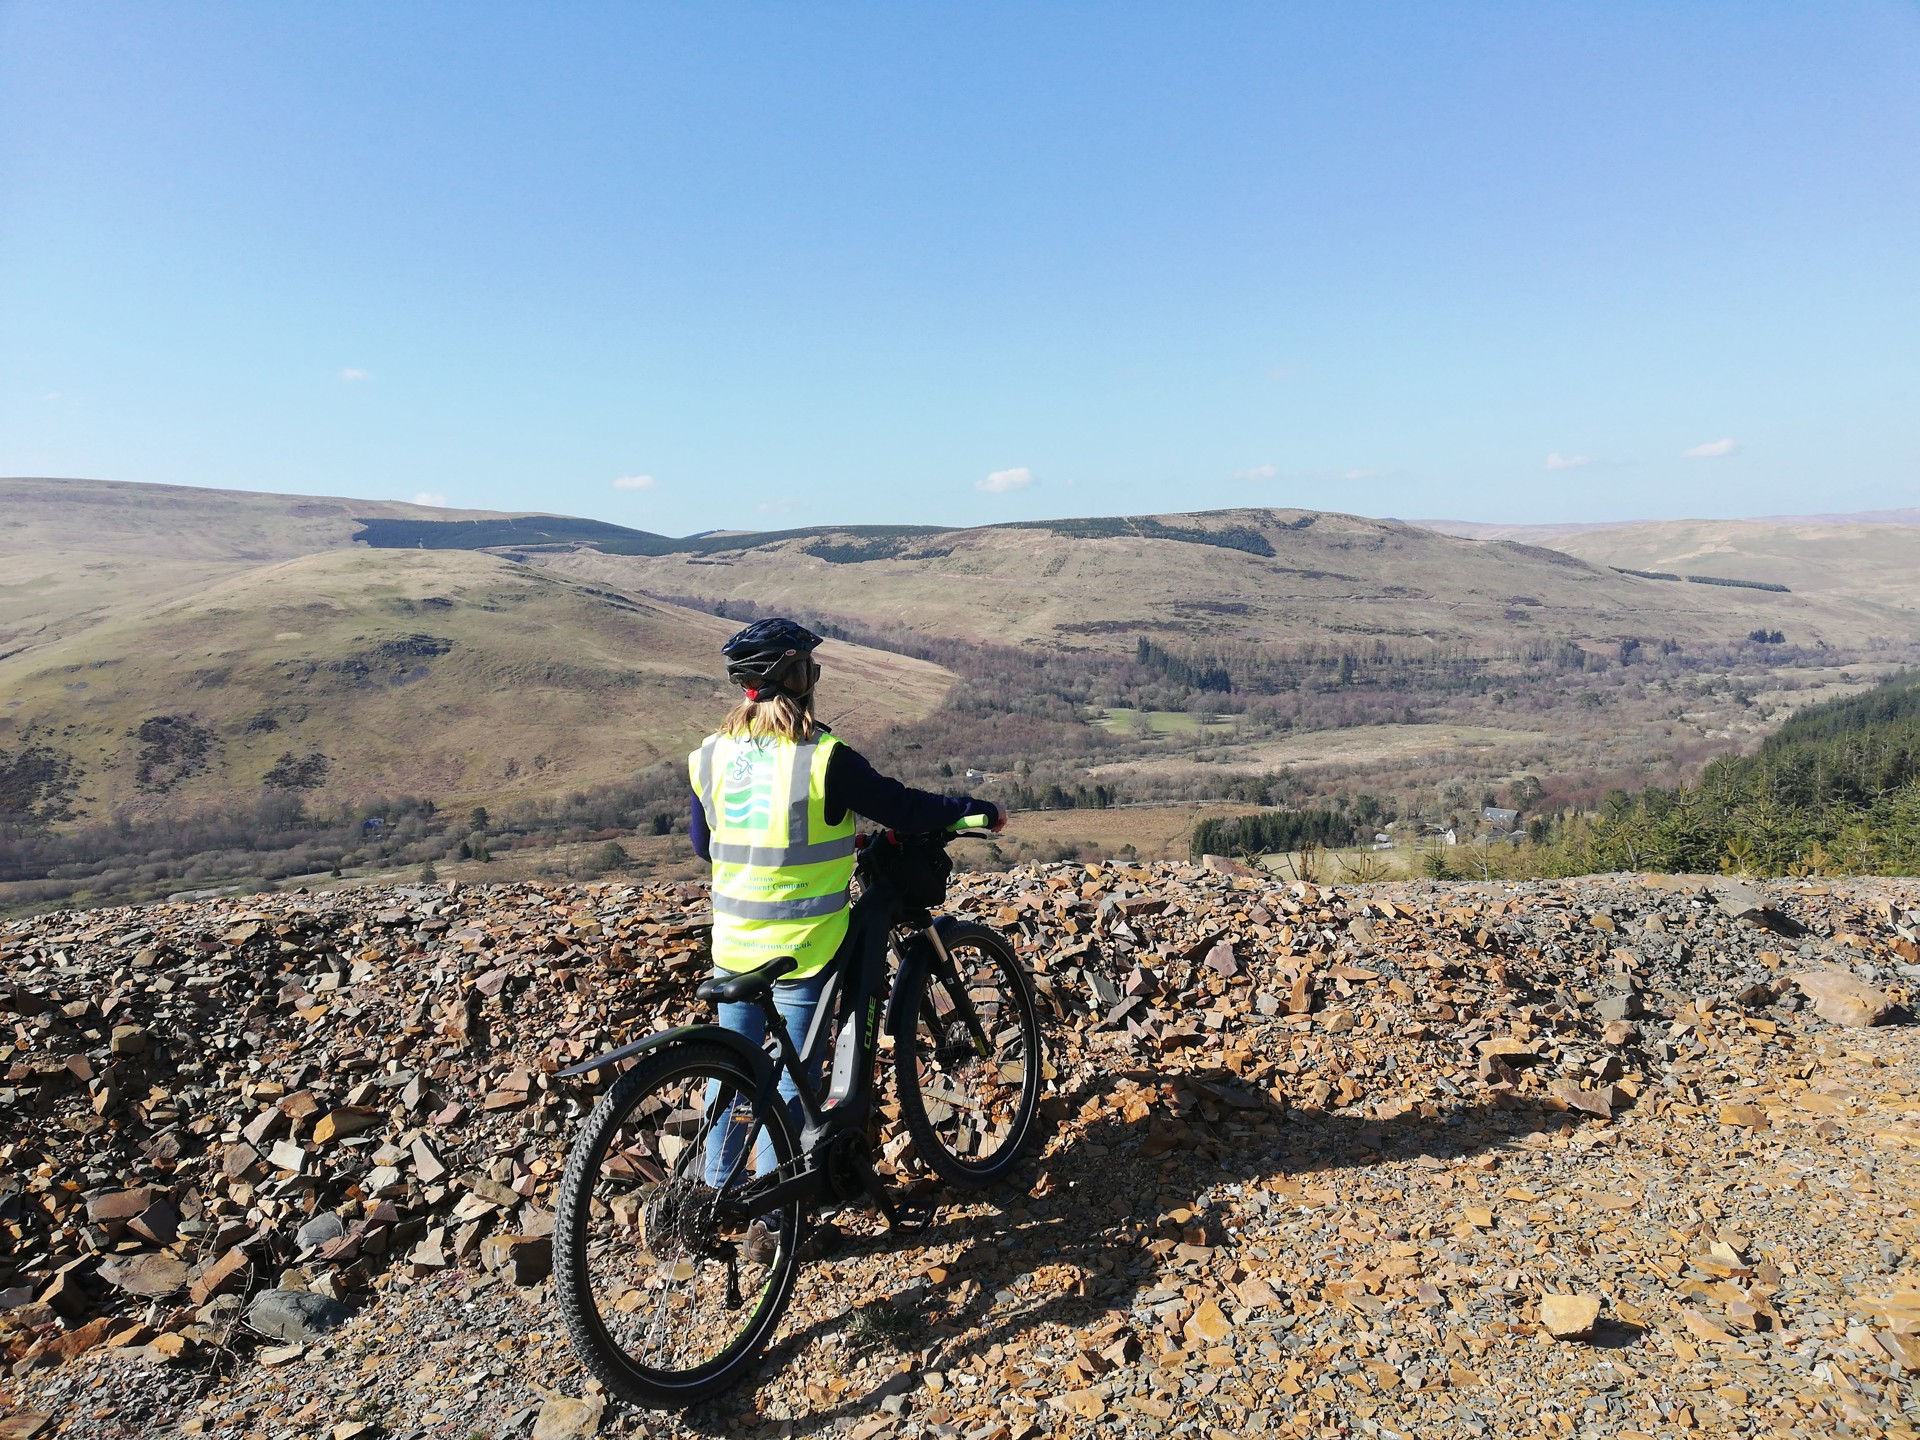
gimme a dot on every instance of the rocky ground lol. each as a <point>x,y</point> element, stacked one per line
<point>1613,1157</point>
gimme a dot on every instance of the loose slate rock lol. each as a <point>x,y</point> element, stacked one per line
<point>1316,1146</point>
<point>319,1230</point>
<point>1568,1317</point>
<point>151,1275</point>
<point>1843,998</point>
<point>562,1417</point>
<point>295,1316</point>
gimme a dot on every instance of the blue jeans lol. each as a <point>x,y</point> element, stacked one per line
<point>795,1000</point>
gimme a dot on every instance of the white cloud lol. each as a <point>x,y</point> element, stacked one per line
<point>1283,372</point>
<point>51,395</point>
<point>350,374</point>
<point>773,507</point>
<point>1001,482</point>
<point>1712,450</point>
<point>431,497</point>
<point>1258,472</point>
<point>634,482</point>
<point>1358,474</point>
<point>1557,461</point>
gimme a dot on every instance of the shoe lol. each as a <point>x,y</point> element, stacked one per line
<point>762,1244</point>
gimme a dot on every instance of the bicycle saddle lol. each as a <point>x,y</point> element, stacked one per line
<point>748,985</point>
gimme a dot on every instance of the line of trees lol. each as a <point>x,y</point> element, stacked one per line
<point>1271,832</point>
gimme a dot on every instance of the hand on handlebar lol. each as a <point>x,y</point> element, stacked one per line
<point>995,822</point>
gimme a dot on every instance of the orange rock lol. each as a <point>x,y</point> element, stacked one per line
<point>1569,1316</point>
<point>1703,1328</point>
<point>1209,1324</point>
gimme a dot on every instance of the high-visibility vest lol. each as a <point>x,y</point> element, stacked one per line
<point>780,871</point>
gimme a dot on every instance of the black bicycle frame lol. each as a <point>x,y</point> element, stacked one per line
<point>856,992</point>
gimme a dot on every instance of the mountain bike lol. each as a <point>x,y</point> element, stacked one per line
<point>664,1292</point>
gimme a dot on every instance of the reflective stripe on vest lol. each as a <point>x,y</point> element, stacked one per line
<point>780,872</point>
<point>779,909</point>
<point>770,855</point>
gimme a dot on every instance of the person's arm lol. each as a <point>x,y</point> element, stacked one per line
<point>853,784</point>
<point>697,830</point>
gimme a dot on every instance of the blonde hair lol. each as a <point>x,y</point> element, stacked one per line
<point>775,716</point>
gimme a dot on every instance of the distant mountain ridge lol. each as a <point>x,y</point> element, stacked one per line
<point>1869,559</point>
<point>76,551</point>
<point>1504,530</point>
<point>873,541</point>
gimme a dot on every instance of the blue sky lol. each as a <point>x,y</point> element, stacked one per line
<point>789,264</point>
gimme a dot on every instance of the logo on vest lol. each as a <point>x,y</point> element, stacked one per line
<point>747,794</point>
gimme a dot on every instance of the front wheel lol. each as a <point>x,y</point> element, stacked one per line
<point>665,1302</point>
<point>968,1075</point>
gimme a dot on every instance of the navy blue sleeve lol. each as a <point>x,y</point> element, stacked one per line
<point>853,784</point>
<point>697,830</point>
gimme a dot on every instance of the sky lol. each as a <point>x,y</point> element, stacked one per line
<point>698,266</point>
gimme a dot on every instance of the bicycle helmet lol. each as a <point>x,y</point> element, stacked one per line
<point>765,655</point>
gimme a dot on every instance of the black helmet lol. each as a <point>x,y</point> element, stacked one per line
<point>762,656</point>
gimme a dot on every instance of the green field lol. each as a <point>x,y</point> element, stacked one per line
<point>1165,722</point>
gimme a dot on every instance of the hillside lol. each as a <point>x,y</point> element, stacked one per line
<point>1866,561</point>
<point>1224,577</point>
<point>1834,790</point>
<point>350,675</point>
<point>174,648</point>
<point>74,553</point>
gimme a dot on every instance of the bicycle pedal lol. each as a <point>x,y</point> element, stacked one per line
<point>916,1214</point>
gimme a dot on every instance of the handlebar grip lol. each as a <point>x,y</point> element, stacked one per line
<point>973,822</point>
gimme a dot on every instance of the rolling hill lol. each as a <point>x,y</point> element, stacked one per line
<point>1229,577</point>
<point>182,648</point>
<point>76,553</point>
<point>354,674</point>
<point>1867,560</point>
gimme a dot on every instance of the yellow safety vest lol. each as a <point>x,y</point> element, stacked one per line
<point>780,871</point>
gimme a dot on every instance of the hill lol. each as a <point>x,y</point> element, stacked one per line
<point>74,553</point>
<point>351,674</point>
<point>166,648</point>
<point>1867,562</point>
<point>1223,578</point>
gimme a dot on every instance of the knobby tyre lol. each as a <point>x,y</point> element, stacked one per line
<point>661,1299</point>
<point>971,1113</point>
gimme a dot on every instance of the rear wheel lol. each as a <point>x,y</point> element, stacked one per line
<point>662,1299</point>
<point>968,1076</point>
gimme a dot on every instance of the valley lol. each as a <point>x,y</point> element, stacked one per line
<point>212,686</point>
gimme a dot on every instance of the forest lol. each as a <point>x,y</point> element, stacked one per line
<point>1836,790</point>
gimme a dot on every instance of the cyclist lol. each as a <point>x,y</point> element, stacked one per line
<point>775,794</point>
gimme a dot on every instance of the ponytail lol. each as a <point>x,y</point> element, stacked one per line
<point>771,715</point>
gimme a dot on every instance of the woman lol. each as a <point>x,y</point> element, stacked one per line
<point>775,796</point>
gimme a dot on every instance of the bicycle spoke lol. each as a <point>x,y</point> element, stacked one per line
<point>973,1059</point>
<point>670,1284</point>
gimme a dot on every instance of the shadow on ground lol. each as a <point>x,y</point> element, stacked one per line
<point>1187,1150</point>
